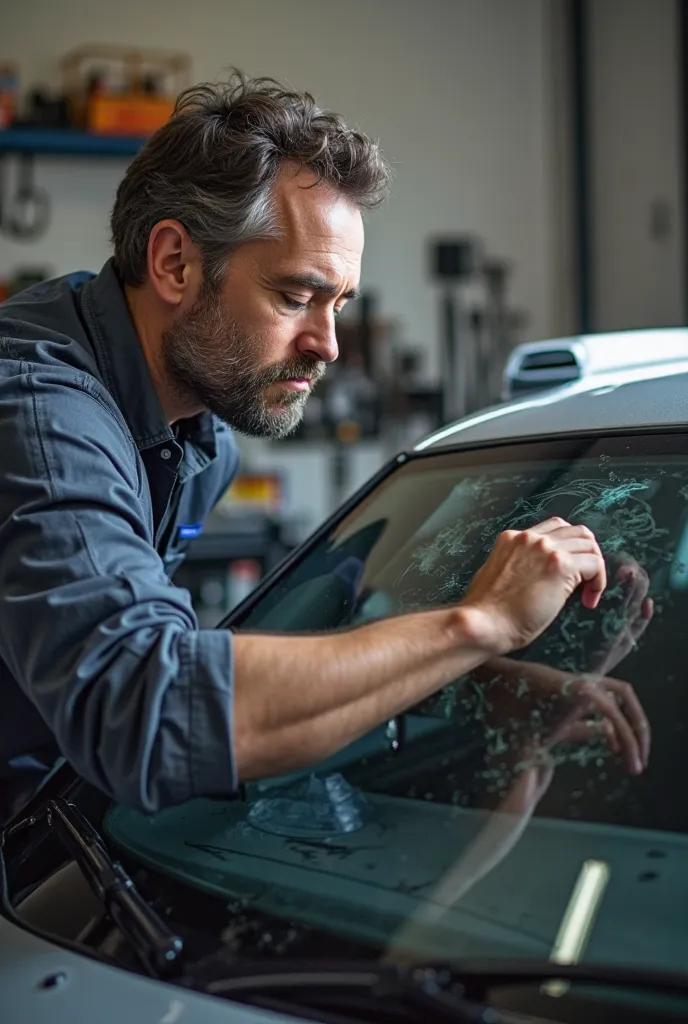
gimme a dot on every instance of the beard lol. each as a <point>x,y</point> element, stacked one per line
<point>210,360</point>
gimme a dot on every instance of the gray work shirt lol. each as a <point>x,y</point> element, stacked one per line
<point>101,657</point>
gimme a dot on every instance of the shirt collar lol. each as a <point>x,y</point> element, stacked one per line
<point>126,375</point>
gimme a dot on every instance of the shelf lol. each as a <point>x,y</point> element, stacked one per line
<point>227,547</point>
<point>267,544</point>
<point>67,142</point>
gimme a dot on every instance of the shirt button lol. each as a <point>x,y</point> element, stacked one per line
<point>166,453</point>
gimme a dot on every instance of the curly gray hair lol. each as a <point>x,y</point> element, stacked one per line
<point>213,165</point>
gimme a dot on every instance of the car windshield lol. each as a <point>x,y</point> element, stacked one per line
<point>497,819</point>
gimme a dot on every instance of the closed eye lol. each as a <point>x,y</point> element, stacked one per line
<point>299,306</point>
<point>294,303</point>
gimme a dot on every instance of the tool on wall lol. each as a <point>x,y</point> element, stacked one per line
<point>454,262</point>
<point>25,215</point>
<point>478,326</point>
<point>109,94</point>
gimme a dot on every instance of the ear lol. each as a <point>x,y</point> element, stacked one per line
<point>174,264</point>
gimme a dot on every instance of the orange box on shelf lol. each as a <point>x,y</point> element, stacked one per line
<point>9,84</point>
<point>257,492</point>
<point>120,90</point>
<point>127,115</point>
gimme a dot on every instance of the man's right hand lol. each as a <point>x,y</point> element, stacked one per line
<point>298,699</point>
<point>528,578</point>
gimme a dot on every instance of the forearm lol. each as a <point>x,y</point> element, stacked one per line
<point>512,671</point>
<point>298,699</point>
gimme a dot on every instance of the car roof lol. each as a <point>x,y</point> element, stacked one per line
<point>616,399</point>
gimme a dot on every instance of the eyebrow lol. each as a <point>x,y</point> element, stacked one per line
<point>315,283</point>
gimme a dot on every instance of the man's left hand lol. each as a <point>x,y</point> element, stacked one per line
<point>550,707</point>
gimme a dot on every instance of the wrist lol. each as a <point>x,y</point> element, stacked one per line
<point>480,631</point>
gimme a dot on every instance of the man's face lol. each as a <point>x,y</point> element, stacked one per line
<point>252,350</point>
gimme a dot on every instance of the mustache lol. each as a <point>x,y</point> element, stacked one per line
<point>310,369</point>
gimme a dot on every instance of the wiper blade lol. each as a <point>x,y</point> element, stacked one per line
<point>478,977</point>
<point>452,991</point>
<point>155,944</point>
<point>363,984</point>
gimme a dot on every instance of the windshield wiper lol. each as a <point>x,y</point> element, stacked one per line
<point>448,991</point>
<point>156,946</point>
<point>357,987</point>
<point>478,977</point>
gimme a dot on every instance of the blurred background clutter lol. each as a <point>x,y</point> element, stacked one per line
<point>539,154</point>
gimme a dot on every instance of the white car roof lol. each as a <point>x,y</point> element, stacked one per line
<point>631,394</point>
<point>561,360</point>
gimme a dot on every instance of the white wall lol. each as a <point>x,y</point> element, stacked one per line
<point>634,98</point>
<point>458,91</point>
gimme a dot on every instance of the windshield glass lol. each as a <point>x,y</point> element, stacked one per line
<point>496,819</point>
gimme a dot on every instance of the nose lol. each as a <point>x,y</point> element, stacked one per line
<point>319,342</point>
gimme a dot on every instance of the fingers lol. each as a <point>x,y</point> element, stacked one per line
<point>641,621</point>
<point>627,699</point>
<point>638,582</point>
<point>568,532</point>
<point>629,743</point>
<point>624,725</point>
<point>637,606</point>
<point>585,730</point>
<point>563,530</point>
<point>550,525</point>
<point>579,539</point>
<point>579,542</point>
<point>644,617</point>
<point>529,576</point>
<point>575,544</point>
<point>591,570</point>
<point>635,612</point>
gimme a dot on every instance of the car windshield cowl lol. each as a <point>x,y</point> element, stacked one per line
<point>451,991</point>
<point>472,979</point>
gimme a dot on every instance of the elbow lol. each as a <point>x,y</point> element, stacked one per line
<point>153,729</point>
<point>127,770</point>
<point>136,790</point>
<point>140,795</point>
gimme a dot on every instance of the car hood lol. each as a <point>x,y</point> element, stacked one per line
<point>640,398</point>
<point>383,878</point>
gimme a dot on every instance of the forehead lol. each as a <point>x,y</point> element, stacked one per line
<point>317,223</point>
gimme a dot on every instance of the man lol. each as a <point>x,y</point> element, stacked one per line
<point>238,238</point>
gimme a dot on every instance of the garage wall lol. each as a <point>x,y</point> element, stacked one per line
<point>638,264</point>
<point>458,91</point>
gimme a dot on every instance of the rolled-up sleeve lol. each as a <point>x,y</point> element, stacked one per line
<point>108,650</point>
